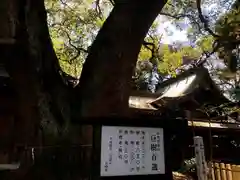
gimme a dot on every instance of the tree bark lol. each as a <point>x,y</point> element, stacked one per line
<point>33,67</point>
<point>107,72</point>
<point>42,98</point>
<point>105,82</point>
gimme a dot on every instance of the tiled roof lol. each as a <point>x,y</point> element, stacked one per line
<point>174,89</point>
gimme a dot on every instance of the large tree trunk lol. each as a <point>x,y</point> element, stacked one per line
<point>105,82</point>
<point>42,101</point>
<point>42,98</point>
<point>34,69</point>
<point>107,72</point>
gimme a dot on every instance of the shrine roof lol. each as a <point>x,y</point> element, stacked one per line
<point>185,88</point>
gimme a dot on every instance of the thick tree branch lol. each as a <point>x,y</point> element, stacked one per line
<point>206,55</point>
<point>98,9</point>
<point>112,2</point>
<point>147,44</point>
<point>78,49</point>
<point>154,50</point>
<point>193,19</point>
<point>65,4</point>
<point>204,21</point>
<point>180,16</point>
<point>115,51</point>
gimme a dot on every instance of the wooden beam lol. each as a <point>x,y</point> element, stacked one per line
<point>214,125</point>
<point>7,41</point>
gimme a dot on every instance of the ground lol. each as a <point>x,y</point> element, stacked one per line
<point>179,176</point>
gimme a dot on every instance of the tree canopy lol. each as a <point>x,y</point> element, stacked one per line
<point>85,36</point>
<point>103,41</point>
<point>74,25</point>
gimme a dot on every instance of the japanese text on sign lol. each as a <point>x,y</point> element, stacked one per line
<point>132,151</point>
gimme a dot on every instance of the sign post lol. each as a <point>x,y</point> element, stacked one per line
<point>200,158</point>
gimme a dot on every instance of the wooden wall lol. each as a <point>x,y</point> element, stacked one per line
<point>222,171</point>
<point>6,120</point>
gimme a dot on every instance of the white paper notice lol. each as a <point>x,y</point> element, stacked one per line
<point>132,151</point>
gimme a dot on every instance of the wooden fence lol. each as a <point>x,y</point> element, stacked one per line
<point>221,171</point>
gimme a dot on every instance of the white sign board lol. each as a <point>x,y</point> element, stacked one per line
<point>132,151</point>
